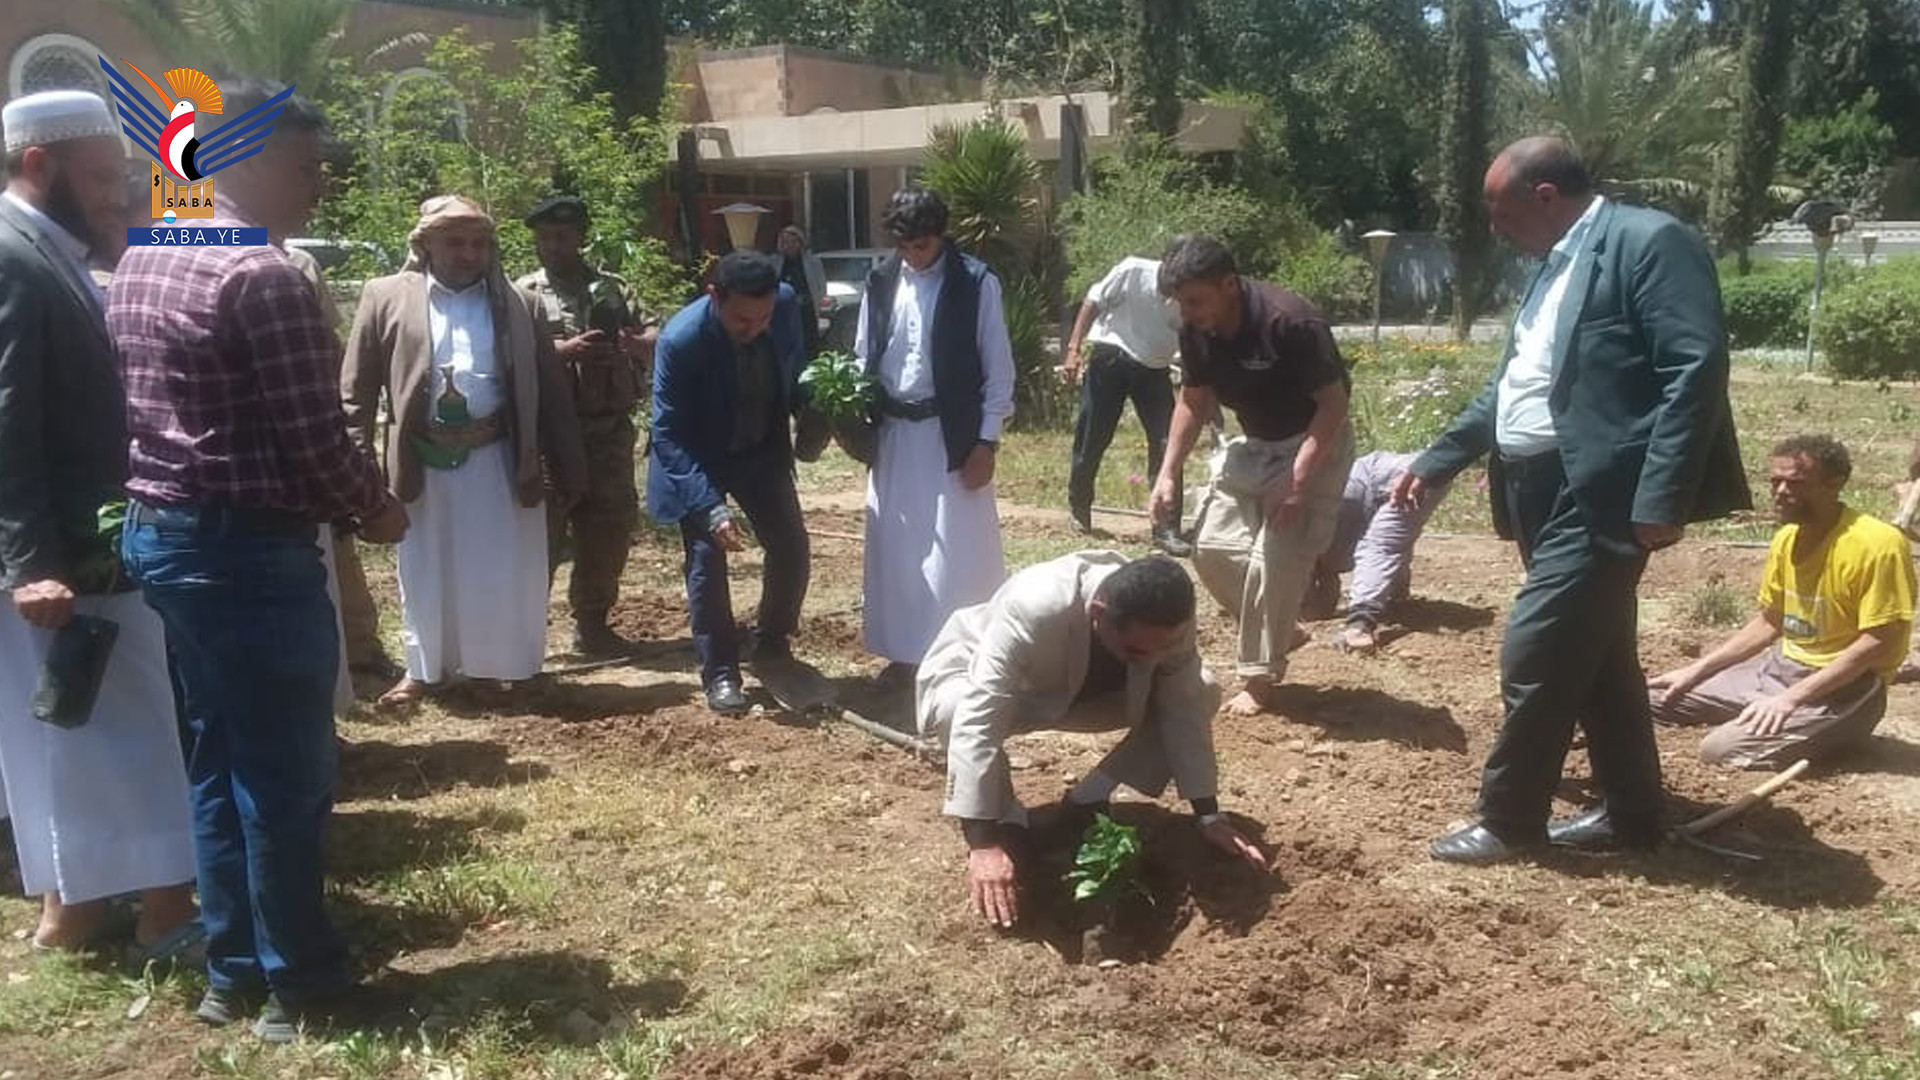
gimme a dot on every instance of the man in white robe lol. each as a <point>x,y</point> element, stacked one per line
<point>101,808</point>
<point>934,337</point>
<point>482,416</point>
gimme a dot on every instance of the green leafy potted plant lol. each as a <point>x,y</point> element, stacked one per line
<point>839,390</point>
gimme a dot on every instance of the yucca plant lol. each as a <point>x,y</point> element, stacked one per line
<point>988,179</point>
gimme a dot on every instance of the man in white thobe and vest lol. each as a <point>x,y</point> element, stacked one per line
<point>479,405</point>
<point>1087,642</point>
<point>934,338</point>
<point>102,807</point>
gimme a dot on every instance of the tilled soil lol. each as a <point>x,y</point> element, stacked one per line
<point>1356,947</point>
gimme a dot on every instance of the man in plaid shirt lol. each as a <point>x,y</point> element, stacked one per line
<point>239,455</point>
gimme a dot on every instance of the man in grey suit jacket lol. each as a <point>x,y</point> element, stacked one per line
<point>1087,642</point>
<point>1609,430</point>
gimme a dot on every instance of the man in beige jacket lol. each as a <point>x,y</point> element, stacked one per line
<point>483,422</point>
<point>1087,642</point>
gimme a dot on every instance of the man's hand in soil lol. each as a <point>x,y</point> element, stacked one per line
<point>1229,839</point>
<point>990,881</point>
<point>46,604</point>
<point>1672,686</point>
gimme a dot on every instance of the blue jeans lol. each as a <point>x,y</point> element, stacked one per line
<point>252,645</point>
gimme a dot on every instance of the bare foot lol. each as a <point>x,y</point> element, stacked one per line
<point>68,926</point>
<point>408,691</point>
<point>1256,698</point>
<point>1358,639</point>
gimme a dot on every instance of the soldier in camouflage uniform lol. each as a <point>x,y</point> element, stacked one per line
<point>607,346</point>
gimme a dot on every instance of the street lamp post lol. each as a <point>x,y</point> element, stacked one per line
<point>1379,241</point>
<point>1824,220</point>
<point>743,223</point>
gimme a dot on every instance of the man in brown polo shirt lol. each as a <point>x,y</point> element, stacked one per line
<point>1269,356</point>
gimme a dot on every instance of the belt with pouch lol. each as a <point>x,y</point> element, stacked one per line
<point>896,409</point>
<point>446,446</point>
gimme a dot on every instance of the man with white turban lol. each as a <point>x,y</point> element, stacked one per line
<point>478,401</point>
<point>100,807</point>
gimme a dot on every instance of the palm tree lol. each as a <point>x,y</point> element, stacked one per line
<point>1647,102</point>
<point>288,40</point>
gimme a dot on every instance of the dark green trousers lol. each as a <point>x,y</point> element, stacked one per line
<point>1571,656</point>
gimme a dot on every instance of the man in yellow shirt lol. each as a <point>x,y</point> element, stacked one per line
<point>1807,677</point>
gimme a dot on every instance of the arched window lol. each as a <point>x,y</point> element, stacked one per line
<point>57,62</point>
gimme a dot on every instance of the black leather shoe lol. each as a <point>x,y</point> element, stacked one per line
<point>1169,540</point>
<point>725,696</point>
<point>598,640</point>
<point>1595,831</point>
<point>1477,845</point>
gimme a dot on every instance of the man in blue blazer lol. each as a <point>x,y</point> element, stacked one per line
<point>725,383</point>
<point>1609,430</point>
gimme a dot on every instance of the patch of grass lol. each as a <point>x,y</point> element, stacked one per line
<point>238,1060</point>
<point>1849,970</point>
<point>59,991</point>
<point>361,1055</point>
<point>1716,603</point>
<point>476,890</point>
<point>750,1001</point>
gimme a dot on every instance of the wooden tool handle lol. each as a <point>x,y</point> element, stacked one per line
<point>1751,799</point>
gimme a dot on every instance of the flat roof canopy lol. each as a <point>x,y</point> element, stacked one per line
<point>881,137</point>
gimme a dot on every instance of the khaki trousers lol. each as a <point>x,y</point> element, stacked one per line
<point>359,618</point>
<point>1821,729</point>
<point>1258,573</point>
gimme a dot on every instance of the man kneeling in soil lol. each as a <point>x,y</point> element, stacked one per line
<point>1807,677</point>
<point>1087,642</point>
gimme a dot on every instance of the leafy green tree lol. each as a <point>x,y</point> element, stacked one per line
<point>1465,154</point>
<point>1766,47</point>
<point>625,42</point>
<point>1151,74</point>
<point>1841,156</point>
<point>1848,47</point>
<point>506,142</point>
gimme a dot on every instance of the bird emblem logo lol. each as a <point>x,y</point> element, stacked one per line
<point>185,156</point>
